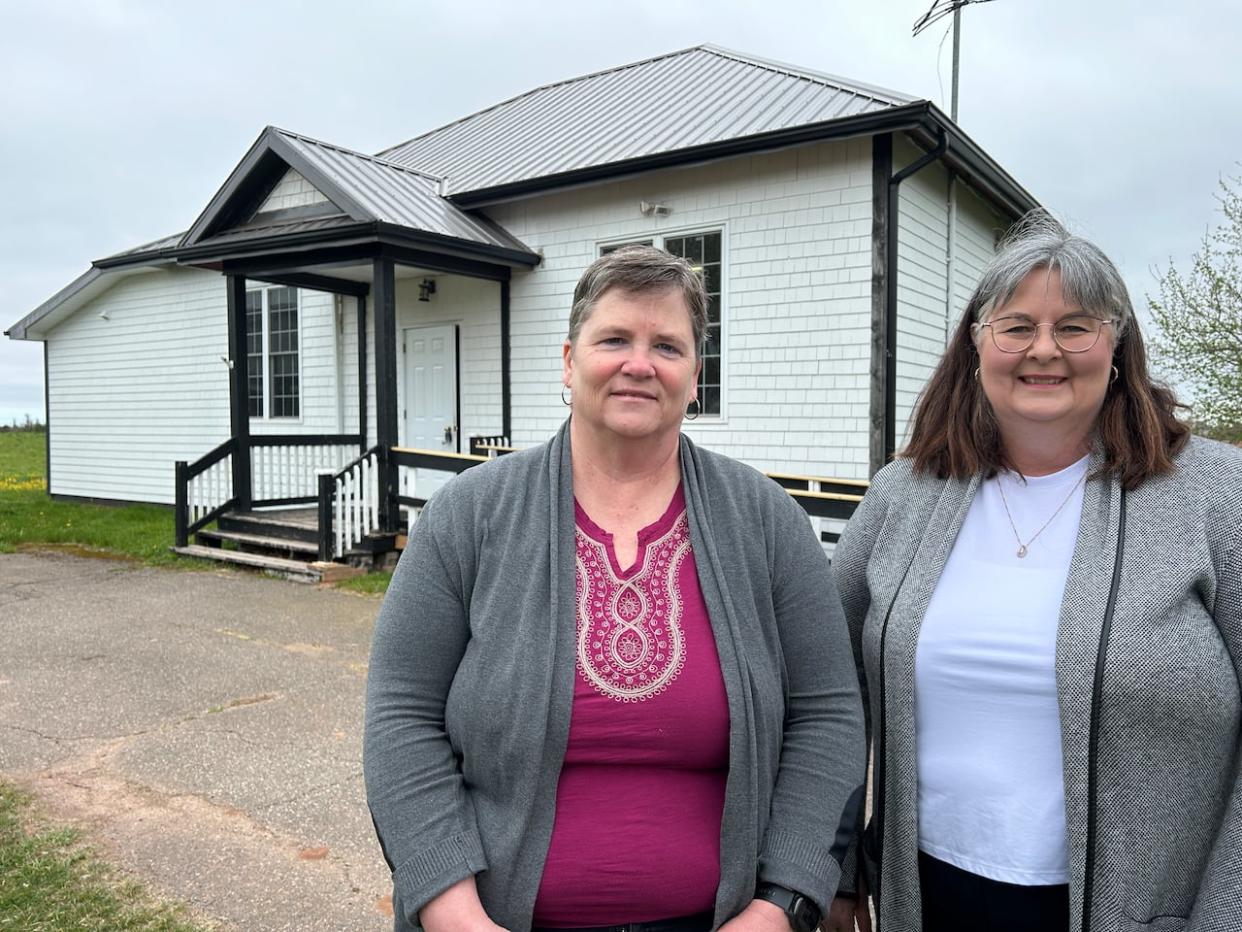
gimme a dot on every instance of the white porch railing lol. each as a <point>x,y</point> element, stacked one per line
<point>210,490</point>
<point>491,447</point>
<point>355,502</point>
<point>202,489</point>
<point>284,470</point>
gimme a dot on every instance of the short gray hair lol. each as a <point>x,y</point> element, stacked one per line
<point>1037,241</point>
<point>639,270</point>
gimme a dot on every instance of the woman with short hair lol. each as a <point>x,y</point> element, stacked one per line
<point>1045,594</point>
<point>611,684</point>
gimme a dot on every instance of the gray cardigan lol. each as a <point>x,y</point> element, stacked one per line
<point>1166,852</point>
<point>472,672</point>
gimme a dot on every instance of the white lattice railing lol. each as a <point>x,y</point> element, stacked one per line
<point>210,490</point>
<point>287,472</point>
<point>491,447</point>
<point>202,489</point>
<point>355,502</point>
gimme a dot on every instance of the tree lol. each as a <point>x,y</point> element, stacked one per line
<point>1199,316</point>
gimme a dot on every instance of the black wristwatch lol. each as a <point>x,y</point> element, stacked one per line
<point>801,912</point>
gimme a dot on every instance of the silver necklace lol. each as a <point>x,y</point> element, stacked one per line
<point>1024,548</point>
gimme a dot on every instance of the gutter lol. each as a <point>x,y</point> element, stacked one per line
<point>890,304</point>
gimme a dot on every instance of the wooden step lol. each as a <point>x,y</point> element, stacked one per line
<point>297,570</point>
<point>270,524</point>
<point>285,544</point>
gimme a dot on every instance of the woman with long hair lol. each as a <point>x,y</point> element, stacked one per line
<point>1045,598</point>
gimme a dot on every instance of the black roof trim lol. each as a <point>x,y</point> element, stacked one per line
<point>968,160</point>
<point>147,257</point>
<point>406,235</point>
<point>351,234</point>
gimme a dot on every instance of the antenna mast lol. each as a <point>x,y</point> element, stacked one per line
<point>939,10</point>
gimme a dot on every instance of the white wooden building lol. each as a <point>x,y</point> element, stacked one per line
<point>840,228</point>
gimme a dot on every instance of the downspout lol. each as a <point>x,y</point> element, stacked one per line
<point>890,310</point>
<point>506,366</point>
<point>950,260</point>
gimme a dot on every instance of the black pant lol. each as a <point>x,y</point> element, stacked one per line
<point>955,900</point>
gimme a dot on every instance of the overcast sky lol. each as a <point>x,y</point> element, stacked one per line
<point>119,119</point>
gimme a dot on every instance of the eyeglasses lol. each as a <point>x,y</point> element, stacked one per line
<point>1075,334</point>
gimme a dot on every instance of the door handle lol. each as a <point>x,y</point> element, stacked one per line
<point>448,433</point>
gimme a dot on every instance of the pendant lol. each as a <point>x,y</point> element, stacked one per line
<point>1021,550</point>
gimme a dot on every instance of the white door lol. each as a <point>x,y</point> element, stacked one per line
<point>431,398</point>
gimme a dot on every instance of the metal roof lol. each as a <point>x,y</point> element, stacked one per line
<point>365,189</point>
<point>155,246</point>
<point>685,99</point>
<point>259,231</point>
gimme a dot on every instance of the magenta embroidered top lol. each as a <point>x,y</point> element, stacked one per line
<point>641,792</point>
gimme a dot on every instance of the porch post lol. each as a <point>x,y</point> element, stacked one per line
<point>362,374</point>
<point>506,400</point>
<point>239,389</point>
<point>383,283</point>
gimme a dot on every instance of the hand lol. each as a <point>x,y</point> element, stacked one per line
<point>457,909</point>
<point>845,911</point>
<point>758,916</point>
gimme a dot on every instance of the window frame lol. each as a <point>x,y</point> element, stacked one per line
<point>266,355</point>
<point>657,239</point>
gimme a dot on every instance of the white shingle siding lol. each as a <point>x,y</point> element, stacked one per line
<point>922,281</point>
<point>132,394</point>
<point>797,298</point>
<point>925,314</point>
<point>293,190</point>
<point>978,227</point>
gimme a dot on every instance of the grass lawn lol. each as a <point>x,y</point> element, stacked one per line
<point>370,583</point>
<point>50,883</point>
<point>29,518</point>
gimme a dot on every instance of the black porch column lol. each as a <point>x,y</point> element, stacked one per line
<point>362,374</point>
<point>383,284</point>
<point>239,389</point>
<point>506,397</point>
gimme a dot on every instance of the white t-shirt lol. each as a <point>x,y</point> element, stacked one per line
<point>991,791</point>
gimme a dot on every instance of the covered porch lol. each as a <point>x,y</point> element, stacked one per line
<point>408,268</point>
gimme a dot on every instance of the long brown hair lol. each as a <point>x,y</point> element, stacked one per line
<point>955,432</point>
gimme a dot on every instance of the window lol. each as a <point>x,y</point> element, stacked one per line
<point>701,250</point>
<point>254,350</point>
<point>272,323</point>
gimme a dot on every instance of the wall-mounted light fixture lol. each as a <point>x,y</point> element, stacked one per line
<point>653,208</point>
<point>426,288</point>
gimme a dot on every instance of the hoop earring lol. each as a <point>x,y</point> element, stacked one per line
<point>570,402</point>
<point>698,409</point>
<point>1113,377</point>
<point>976,373</point>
